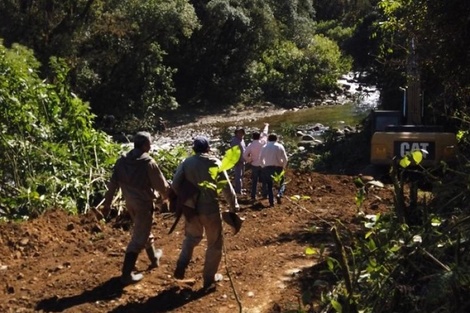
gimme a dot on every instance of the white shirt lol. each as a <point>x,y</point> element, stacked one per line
<point>253,150</point>
<point>273,154</point>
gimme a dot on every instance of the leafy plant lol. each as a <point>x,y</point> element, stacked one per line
<point>278,177</point>
<point>50,155</point>
<point>397,263</point>
<point>287,71</point>
<point>169,159</point>
<point>231,157</point>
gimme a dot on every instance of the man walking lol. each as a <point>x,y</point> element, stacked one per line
<point>273,161</point>
<point>239,168</point>
<point>252,155</point>
<point>206,213</point>
<point>139,177</point>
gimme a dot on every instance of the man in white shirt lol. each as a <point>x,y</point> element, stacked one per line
<point>252,155</point>
<point>273,160</point>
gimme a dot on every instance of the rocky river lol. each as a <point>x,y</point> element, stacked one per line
<point>340,112</point>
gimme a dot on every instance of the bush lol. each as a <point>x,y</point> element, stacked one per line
<point>290,73</point>
<point>50,155</point>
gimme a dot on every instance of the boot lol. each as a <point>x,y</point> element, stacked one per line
<point>179,271</point>
<point>128,277</point>
<point>154,256</point>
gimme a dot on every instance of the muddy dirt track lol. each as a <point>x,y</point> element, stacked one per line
<point>62,263</point>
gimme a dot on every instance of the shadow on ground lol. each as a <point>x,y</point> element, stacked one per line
<point>166,301</point>
<point>111,289</point>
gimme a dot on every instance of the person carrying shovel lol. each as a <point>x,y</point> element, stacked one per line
<point>201,210</point>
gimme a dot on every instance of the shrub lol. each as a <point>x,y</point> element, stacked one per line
<point>50,155</point>
<point>288,72</point>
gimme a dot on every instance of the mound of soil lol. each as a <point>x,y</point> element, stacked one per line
<point>63,263</point>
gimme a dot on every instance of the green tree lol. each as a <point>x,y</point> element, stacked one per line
<point>50,154</point>
<point>126,64</point>
<point>214,61</point>
<point>296,20</point>
<point>116,49</point>
<point>287,72</point>
<point>440,42</point>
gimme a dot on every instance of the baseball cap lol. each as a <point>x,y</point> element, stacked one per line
<point>201,144</point>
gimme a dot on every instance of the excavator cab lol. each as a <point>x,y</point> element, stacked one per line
<point>393,137</point>
<point>395,133</point>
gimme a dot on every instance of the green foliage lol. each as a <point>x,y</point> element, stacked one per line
<point>347,11</point>
<point>116,49</point>
<point>435,28</point>
<point>288,129</point>
<point>335,31</point>
<point>412,158</point>
<point>278,177</point>
<point>139,59</point>
<point>135,36</point>
<point>361,192</point>
<point>213,64</point>
<point>231,157</point>
<point>296,20</point>
<point>389,260</point>
<point>169,159</point>
<point>288,72</point>
<point>50,154</point>
<point>414,258</point>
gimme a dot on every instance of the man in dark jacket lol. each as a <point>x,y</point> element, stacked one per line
<point>205,204</point>
<point>139,177</point>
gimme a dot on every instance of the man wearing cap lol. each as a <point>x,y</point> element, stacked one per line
<point>239,168</point>
<point>139,177</point>
<point>252,156</point>
<point>206,217</point>
<point>273,160</point>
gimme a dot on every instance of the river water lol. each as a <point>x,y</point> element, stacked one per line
<point>337,112</point>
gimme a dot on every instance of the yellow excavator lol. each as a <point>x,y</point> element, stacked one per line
<point>395,133</point>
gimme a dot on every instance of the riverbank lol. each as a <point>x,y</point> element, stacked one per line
<point>234,115</point>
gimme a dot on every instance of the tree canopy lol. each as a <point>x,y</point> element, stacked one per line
<point>51,156</point>
<point>62,63</point>
<point>138,59</point>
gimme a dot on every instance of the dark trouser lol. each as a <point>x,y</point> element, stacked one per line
<point>238,169</point>
<point>268,173</point>
<point>257,175</point>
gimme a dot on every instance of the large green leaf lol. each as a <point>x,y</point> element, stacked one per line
<point>417,156</point>
<point>214,171</point>
<point>405,161</point>
<point>231,157</point>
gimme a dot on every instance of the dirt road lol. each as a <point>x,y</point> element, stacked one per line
<point>62,263</point>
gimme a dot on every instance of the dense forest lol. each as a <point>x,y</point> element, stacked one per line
<point>65,65</point>
<point>143,58</point>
